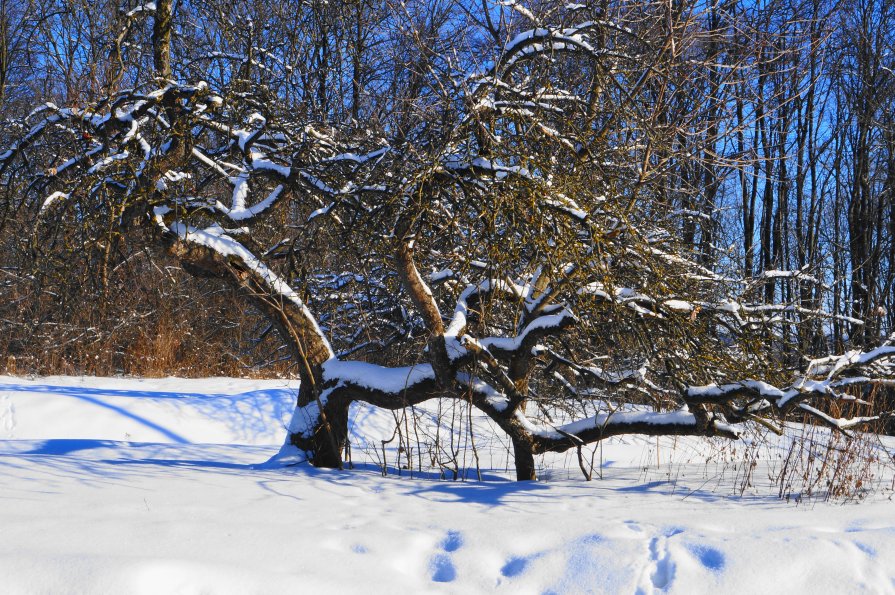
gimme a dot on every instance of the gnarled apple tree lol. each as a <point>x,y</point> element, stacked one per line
<point>502,239</point>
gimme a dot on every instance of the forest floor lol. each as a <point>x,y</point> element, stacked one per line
<point>112,485</point>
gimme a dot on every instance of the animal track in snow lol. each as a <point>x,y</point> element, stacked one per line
<point>518,565</point>
<point>441,565</point>
<point>514,566</point>
<point>663,570</point>
<point>452,542</point>
<point>710,557</point>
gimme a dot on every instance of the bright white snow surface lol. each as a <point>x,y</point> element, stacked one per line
<point>151,486</point>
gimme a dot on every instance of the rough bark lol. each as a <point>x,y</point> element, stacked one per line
<point>423,301</point>
<point>161,38</point>
<point>524,460</point>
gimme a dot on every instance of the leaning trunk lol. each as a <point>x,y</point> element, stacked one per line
<point>320,424</point>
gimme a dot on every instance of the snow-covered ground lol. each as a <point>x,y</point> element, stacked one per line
<point>158,486</point>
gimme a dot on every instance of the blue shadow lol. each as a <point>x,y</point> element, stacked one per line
<point>267,405</point>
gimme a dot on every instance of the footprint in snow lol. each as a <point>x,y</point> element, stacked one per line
<point>441,565</point>
<point>452,542</point>
<point>710,557</point>
<point>663,566</point>
<point>514,566</point>
<point>443,570</point>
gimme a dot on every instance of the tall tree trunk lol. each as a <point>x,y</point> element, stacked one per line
<point>161,38</point>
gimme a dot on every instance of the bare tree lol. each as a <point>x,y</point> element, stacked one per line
<point>503,229</point>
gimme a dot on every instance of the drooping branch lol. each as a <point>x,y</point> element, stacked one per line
<point>822,380</point>
<point>214,252</point>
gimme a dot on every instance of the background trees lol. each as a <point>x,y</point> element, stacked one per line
<point>582,219</point>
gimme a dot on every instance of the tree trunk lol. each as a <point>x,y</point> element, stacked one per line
<point>324,422</point>
<point>525,461</point>
<point>330,430</point>
<point>161,38</point>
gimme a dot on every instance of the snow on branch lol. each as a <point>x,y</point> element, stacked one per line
<point>820,381</point>
<point>553,39</point>
<point>542,325</point>
<point>216,240</point>
<point>473,294</point>
<point>605,425</point>
<point>381,379</point>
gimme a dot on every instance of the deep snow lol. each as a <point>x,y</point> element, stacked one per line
<point>154,486</point>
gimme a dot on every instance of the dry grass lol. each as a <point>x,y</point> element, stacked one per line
<point>159,323</point>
